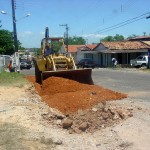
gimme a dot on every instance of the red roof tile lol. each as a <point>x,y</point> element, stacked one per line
<point>125,45</point>
<point>73,48</point>
<point>91,46</point>
<point>88,47</point>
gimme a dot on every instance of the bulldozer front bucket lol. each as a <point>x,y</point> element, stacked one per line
<point>80,75</point>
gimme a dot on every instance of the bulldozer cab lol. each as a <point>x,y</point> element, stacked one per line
<point>56,61</point>
<point>54,45</point>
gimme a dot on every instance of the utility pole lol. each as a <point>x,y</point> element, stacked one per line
<point>14,26</point>
<point>67,28</point>
<point>148,65</point>
<point>0,25</point>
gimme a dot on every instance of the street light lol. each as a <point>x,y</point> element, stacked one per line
<point>3,12</point>
<point>147,17</point>
<point>14,27</point>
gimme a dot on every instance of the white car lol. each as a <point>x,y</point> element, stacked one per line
<point>140,61</point>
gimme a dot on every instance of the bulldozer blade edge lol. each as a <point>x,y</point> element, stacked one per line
<point>79,75</point>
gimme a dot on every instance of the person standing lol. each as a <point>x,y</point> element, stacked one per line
<point>10,66</point>
<point>114,62</point>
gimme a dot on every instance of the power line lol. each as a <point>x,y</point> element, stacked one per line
<point>128,3</point>
<point>122,23</point>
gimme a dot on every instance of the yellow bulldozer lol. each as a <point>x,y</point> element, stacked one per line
<point>55,60</point>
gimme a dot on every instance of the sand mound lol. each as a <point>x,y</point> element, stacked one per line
<point>68,96</point>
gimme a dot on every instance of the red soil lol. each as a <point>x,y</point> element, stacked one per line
<point>68,96</point>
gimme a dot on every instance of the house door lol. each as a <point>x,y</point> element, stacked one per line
<point>101,60</point>
<point>120,58</point>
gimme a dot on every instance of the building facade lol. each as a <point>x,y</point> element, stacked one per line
<point>123,51</point>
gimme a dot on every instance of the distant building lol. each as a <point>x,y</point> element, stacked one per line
<point>123,51</point>
<point>140,38</point>
<point>144,39</point>
<point>86,51</point>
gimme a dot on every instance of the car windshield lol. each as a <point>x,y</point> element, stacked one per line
<point>140,57</point>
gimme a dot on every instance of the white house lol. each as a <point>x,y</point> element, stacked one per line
<point>80,51</point>
<point>123,51</point>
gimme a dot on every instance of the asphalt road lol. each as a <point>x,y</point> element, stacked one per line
<point>133,82</point>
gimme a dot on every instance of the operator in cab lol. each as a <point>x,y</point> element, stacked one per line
<point>48,51</point>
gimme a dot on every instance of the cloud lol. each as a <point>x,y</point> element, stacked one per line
<point>42,33</point>
<point>93,38</point>
<point>93,35</point>
<point>30,39</point>
<point>25,34</point>
<point>54,35</point>
<point>28,32</point>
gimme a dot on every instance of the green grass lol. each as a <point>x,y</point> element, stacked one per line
<point>12,79</point>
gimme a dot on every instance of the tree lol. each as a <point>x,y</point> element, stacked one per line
<point>107,39</point>
<point>56,46</point>
<point>6,42</point>
<point>76,41</point>
<point>117,37</point>
<point>132,36</point>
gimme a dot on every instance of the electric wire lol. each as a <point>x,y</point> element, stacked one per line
<point>123,22</point>
<point>21,4</point>
<point>123,25</point>
<point>106,19</point>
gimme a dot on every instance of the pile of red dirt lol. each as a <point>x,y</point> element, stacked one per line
<point>69,96</point>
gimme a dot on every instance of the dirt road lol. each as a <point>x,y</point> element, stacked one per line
<point>23,126</point>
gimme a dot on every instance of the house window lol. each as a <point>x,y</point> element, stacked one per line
<point>87,55</point>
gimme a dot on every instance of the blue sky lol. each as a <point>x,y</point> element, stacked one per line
<point>86,18</point>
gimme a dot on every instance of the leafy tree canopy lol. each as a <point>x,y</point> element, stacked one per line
<point>132,36</point>
<point>6,42</point>
<point>56,46</point>
<point>76,41</point>
<point>117,37</point>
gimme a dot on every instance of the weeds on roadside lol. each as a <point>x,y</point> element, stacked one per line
<point>12,79</point>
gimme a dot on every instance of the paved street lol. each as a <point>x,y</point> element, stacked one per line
<point>136,83</point>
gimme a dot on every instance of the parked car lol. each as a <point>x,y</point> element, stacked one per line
<point>86,63</point>
<point>140,61</point>
<point>25,65</point>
